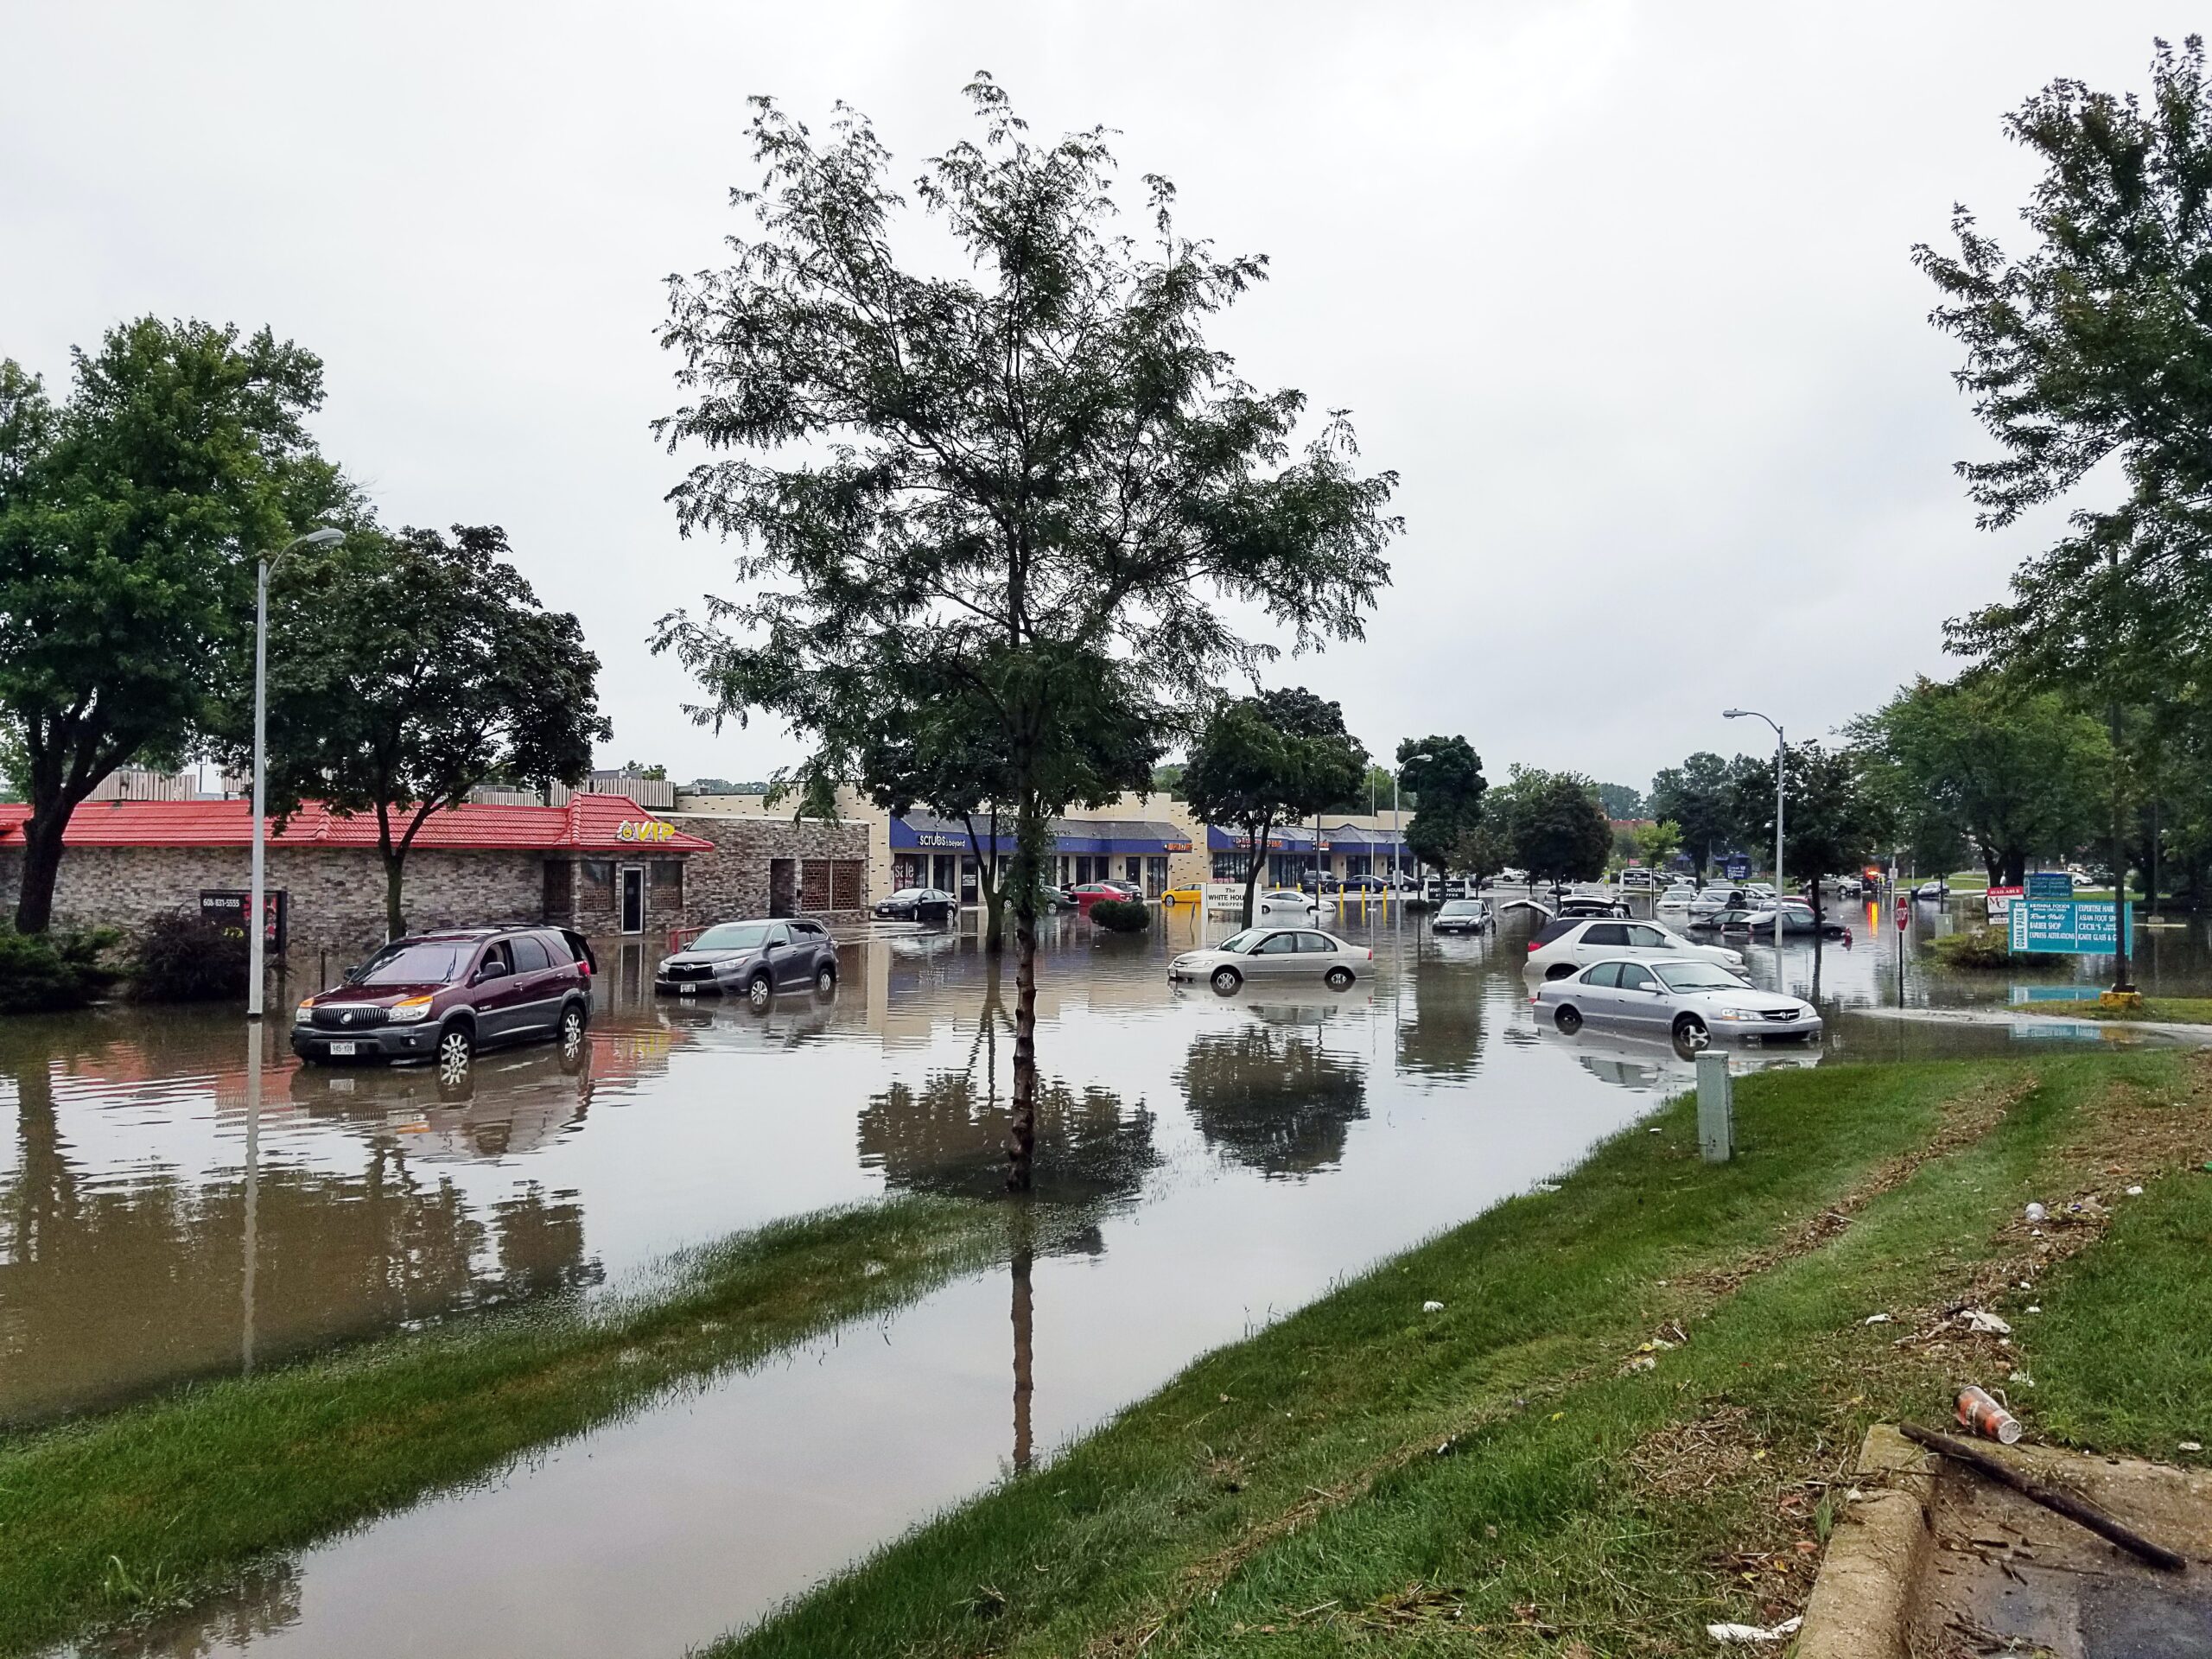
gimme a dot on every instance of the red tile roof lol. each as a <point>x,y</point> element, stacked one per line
<point>589,823</point>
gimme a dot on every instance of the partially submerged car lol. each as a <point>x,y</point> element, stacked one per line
<point>1273,954</point>
<point>1463,916</point>
<point>1692,1001</point>
<point>755,959</point>
<point>446,995</point>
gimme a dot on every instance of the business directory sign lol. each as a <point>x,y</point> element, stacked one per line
<point>2082,926</point>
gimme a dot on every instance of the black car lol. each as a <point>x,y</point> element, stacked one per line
<point>756,958</point>
<point>917,904</point>
<point>1463,916</point>
<point>1577,906</point>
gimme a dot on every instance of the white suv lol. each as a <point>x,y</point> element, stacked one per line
<point>1560,948</point>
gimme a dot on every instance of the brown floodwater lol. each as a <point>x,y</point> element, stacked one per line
<point>166,1214</point>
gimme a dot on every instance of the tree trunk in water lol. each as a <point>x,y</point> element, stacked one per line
<point>1025,1382</point>
<point>1021,1125</point>
<point>41,868</point>
<point>994,923</point>
<point>1256,847</point>
<point>2015,868</point>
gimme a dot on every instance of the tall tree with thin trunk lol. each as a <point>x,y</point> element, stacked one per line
<point>405,671</point>
<point>1022,467</point>
<point>131,515</point>
<point>1446,774</point>
<point>2089,360</point>
<point>1269,760</point>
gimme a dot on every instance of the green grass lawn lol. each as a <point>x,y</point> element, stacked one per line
<point>2174,1010</point>
<point>1531,1467</point>
<point>130,1512</point>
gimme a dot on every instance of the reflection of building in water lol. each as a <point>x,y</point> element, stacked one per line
<point>1273,1097</point>
<point>112,1286</point>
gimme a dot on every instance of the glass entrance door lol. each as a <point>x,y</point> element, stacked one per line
<point>633,897</point>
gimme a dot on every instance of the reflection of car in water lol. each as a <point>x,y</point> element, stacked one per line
<point>785,1022</point>
<point>504,1104</point>
<point>1656,1065</point>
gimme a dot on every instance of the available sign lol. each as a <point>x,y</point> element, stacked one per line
<point>228,908</point>
<point>2000,900</point>
<point>2065,925</point>
<point>2049,884</point>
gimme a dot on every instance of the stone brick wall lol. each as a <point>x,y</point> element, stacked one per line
<point>336,894</point>
<point>732,881</point>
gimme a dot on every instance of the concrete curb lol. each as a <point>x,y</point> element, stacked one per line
<point>1863,1597</point>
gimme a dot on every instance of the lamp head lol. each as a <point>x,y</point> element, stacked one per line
<point>1734,714</point>
<point>326,537</point>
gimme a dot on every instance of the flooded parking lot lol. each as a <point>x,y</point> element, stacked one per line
<point>1227,1158</point>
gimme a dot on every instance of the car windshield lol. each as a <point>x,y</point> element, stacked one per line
<point>907,892</point>
<point>429,962</point>
<point>733,935</point>
<point>1698,976</point>
<point>1241,943</point>
<point>1462,907</point>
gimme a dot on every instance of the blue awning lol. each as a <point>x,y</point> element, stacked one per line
<point>920,832</point>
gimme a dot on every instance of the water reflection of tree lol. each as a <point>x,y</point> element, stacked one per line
<point>1443,1037</point>
<point>112,1287</point>
<point>946,1137</point>
<point>1273,1097</point>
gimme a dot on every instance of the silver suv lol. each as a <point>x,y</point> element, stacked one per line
<point>755,958</point>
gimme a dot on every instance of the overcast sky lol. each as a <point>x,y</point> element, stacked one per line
<point>1621,291</point>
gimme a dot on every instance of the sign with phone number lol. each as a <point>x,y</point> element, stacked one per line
<point>2082,926</point>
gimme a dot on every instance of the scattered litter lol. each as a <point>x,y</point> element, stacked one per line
<point>1545,1186</point>
<point>2022,1378</point>
<point>1984,1322</point>
<point>1655,1131</point>
<point>1431,1307</point>
<point>2190,1445</point>
<point>1642,1363</point>
<point>1558,1416</point>
<point>631,1356</point>
<point>2134,1192</point>
<point>1876,1318</point>
<point>1747,1634</point>
<point>2035,1307</point>
<point>2037,1212</point>
<point>1979,1412</point>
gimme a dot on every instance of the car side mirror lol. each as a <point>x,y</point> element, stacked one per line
<point>490,970</point>
<point>348,975</point>
<point>772,945</point>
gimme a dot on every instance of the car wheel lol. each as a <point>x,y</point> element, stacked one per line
<point>825,979</point>
<point>572,1026</point>
<point>1567,1018</point>
<point>758,990</point>
<point>1339,979</point>
<point>1226,979</point>
<point>1691,1034</point>
<point>456,1051</point>
<point>1559,970</point>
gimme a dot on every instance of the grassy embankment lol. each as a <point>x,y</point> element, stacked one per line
<point>2172,1010</point>
<point>127,1513</point>
<point>1366,1475</point>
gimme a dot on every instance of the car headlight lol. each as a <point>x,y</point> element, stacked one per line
<point>304,1014</point>
<point>662,968</point>
<point>1736,1014</point>
<point>408,1009</point>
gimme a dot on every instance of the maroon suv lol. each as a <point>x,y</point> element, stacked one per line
<point>444,995</point>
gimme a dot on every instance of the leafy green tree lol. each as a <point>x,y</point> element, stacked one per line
<point>1555,826</point>
<point>1621,801</point>
<point>130,518</point>
<point>2015,774</point>
<point>1021,463</point>
<point>1833,823</point>
<point>1446,774</point>
<point>2085,359</point>
<point>1657,843</point>
<point>1483,850</point>
<point>405,670</point>
<point>1698,797</point>
<point>1269,760</point>
<point>1168,780</point>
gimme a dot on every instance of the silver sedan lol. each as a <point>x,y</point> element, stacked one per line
<point>1274,955</point>
<point>1691,1001</point>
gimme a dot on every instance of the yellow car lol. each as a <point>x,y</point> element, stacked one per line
<point>1192,895</point>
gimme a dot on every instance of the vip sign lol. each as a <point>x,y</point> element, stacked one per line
<point>649,829</point>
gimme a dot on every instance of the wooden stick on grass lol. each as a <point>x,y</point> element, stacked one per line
<point>2061,1502</point>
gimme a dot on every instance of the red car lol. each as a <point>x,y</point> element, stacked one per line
<point>444,995</point>
<point>1091,892</point>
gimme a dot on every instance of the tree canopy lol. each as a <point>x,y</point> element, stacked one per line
<point>1447,775</point>
<point>131,515</point>
<point>404,670</point>
<point>1699,797</point>
<point>1554,825</point>
<point>2014,774</point>
<point>1622,801</point>
<point>1019,468</point>
<point>1832,823</point>
<point>1269,760</point>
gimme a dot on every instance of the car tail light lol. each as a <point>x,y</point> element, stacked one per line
<point>1370,955</point>
<point>1534,947</point>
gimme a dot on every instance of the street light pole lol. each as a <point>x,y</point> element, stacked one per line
<point>255,927</point>
<point>1781,759</point>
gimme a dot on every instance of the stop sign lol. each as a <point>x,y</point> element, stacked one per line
<point>1904,914</point>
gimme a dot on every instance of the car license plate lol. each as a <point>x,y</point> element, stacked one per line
<point>687,990</point>
<point>337,1050</point>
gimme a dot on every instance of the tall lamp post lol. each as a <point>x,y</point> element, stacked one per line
<point>256,926</point>
<point>1781,759</point>
<point>1397,827</point>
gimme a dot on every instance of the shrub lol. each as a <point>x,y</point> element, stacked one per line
<point>183,957</point>
<point>1990,947</point>
<point>1121,915</point>
<point>41,973</point>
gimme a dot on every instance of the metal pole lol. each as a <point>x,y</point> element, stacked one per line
<point>1781,756</point>
<point>253,927</point>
